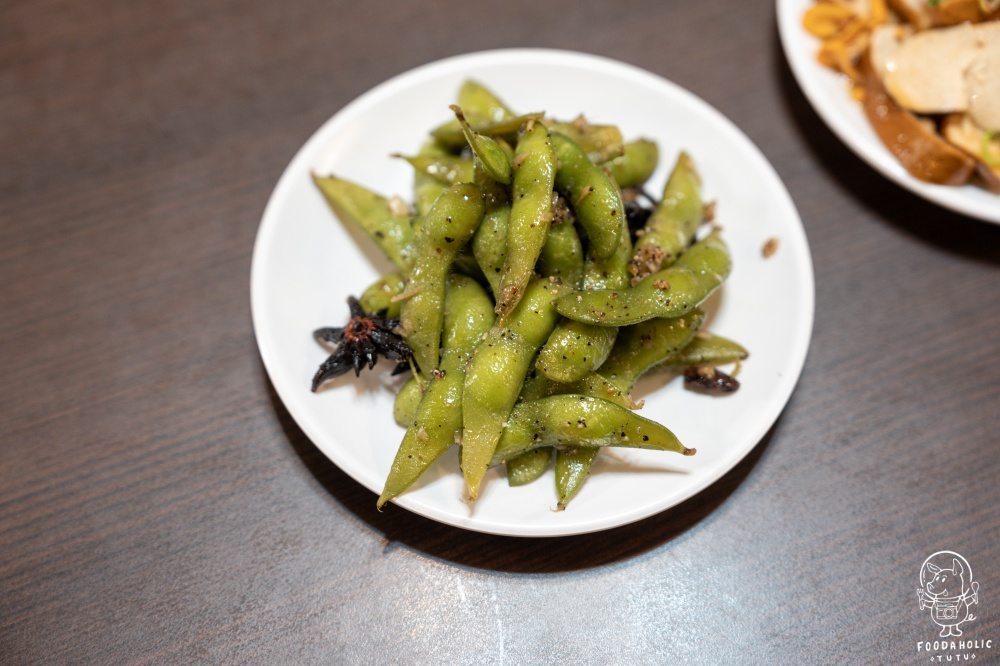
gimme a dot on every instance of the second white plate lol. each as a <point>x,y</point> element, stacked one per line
<point>829,96</point>
<point>306,263</point>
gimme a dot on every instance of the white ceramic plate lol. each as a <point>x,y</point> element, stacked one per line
<point>828,94</point>
<point>306,263</point>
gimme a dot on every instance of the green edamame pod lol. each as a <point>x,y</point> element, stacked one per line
<point>404,408</point>
<point>574,349</point>
<point>530,214</point>
<point>528,466</point>
<point>537,386</point>
<point>592,194</point>
<point>450,134</point>
<point>708,350</point>
<point>600,142</point>
<point>638,349</point>
<point>468,313</point>
<point>427,188</point>
<point>445,169</point>
<point>562,254</point>
<point>448,226</point>
<point>636,164</point>
<point>673,222</point>
<point>484,102</point>
<point>648,344</point>
<point>610,273</point>
<point>495,375</point>
<point>493,159</point>
<point>668,293</point>
<point>481,105</point>
<point>489,244</point>
<point>374,214</point>
<point>578,420</point>
<point>572,469</point>
<point>378,296</point>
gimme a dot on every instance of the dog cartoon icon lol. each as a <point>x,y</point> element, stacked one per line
<point>947,589</point>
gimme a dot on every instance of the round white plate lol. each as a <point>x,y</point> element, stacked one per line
<point>306,263</point>
<point>829,96</point>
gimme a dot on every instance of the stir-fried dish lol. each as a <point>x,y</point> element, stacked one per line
<point>927,73</point>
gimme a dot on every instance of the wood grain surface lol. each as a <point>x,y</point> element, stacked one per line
<point>158,505</point>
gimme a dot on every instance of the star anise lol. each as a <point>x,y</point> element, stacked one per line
<point>360,342</point>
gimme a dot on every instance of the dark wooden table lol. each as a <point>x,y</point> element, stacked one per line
<point>159,505</point>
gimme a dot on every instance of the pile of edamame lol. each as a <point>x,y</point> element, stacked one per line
<point>530,309</point>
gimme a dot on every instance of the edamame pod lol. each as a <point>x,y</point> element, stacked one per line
<point>637,349</point>
<point>374,214</point>
<point>427,188</point>
<point>673,222</point>
<point>530,214</point>
<point>600,142</point>
<point>572,469</point>
<point>648,344</point>
<point>489,244</point>
<point>537,386</point>
<point>445,169</point>
<point>562,254</point>
<point>404,407</point>
<point>450,134</point>
<point>636,164</point>
<point>528,466</point>
<point>489,154</point>
<point>480,104</point>
<point>448,226</point>
<point>642,347</point>
<point>476,96</point>
<point>379,295</point>
<point>708,350</point>
<point>595,199</point>
<point>468,313</point>
<point>574,349</point>
<point>610,273</point>
<point>578,420</point>
<point>669,293</point>
<point>495,375</point>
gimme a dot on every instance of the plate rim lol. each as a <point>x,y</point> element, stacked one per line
<point>801,336</point>
<point>808,75</point>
